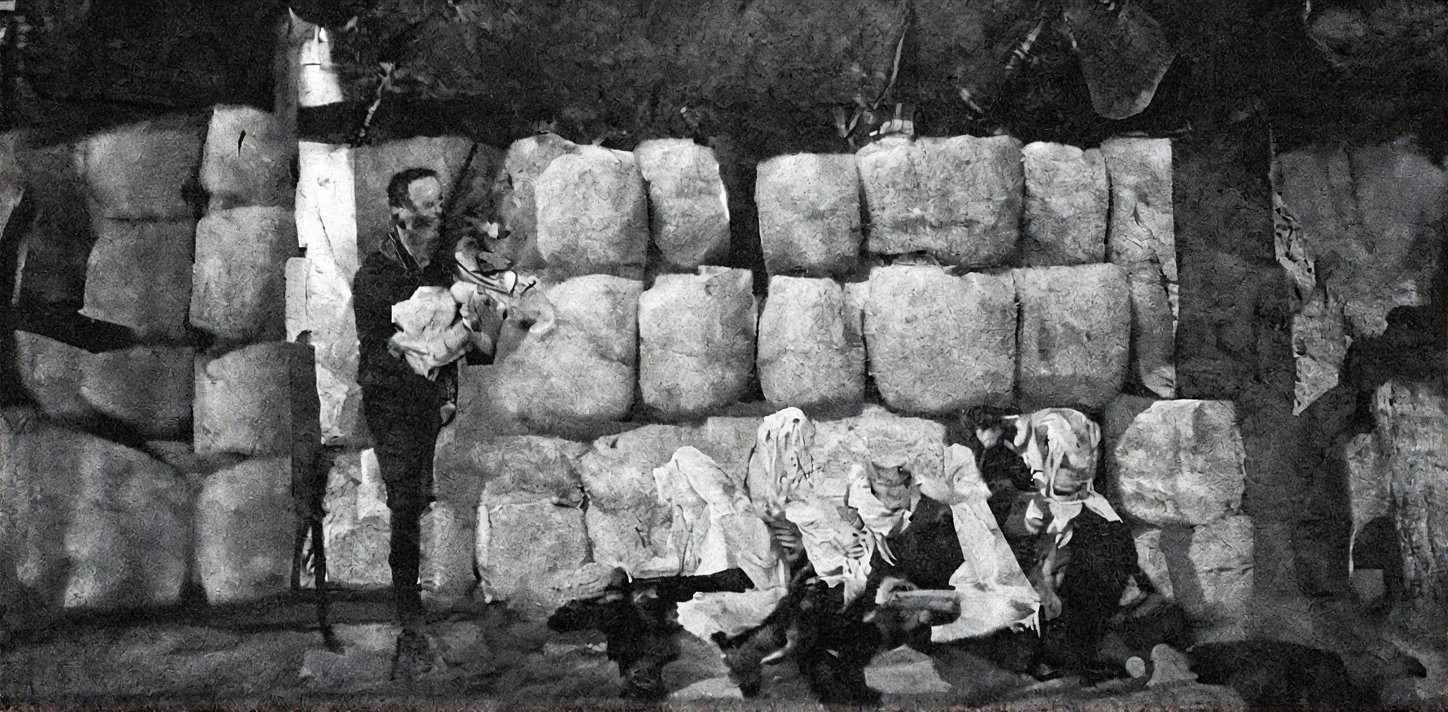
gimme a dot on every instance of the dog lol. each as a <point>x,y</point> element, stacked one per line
<point>1271,674</point>
<point>639,621</point>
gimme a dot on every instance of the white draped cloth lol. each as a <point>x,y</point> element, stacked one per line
<point>429,322</point>
<point>714,526</point>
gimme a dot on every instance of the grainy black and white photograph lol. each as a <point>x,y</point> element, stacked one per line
<point>723,354</point>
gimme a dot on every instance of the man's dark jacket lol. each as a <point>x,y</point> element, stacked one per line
<point>381,282</point>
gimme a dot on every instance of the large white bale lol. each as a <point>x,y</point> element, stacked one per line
<point>244,530</point>
<point>516,194</point>
<point>584,369</point>
<point>630,536</point>
<point>696,341</point>
<point>149,388</point>
<point>92,524</point>
<point>143,171</point>
<point>939,343</point>
<point>511,463</point>
<point>51,373</point>
<point>593,214</point>
<point>1175,463</point>
<point>958,199</point>
<point>522,539</point>
<point>258,401</point>
<point>811,349</point>
<point>239,284</point>
<point>139,276</point>
<point>1066,205</point>
<point>809,214</point>
<point>688,206</point>
<point>248,159</point>
<point>1211,568</point>
<point>1075,335</point>
<point>1142,240</point>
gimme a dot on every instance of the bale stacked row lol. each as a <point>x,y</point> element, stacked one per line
<point>192,227</point>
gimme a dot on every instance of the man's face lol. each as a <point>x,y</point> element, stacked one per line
<point>420,218</point>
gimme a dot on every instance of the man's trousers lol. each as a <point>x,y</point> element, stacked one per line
<point>404,424</point>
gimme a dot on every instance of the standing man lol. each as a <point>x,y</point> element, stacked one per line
<point>404,410</point>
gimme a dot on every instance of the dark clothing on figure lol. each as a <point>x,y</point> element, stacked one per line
<point>402,412</point>
<point>381,282</point>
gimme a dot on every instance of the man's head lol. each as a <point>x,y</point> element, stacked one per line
<point>415,197</point>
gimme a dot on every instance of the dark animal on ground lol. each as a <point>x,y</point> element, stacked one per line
<point>639,621</point>
<point>1275,675</point>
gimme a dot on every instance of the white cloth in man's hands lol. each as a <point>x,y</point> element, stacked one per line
<point>432,334</point>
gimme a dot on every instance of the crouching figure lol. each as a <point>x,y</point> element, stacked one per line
<point>1072,545</point>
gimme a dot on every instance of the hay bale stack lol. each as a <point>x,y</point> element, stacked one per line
<point>247,159</point>
<point>239,282</point>
<point>143,171</point>
<point>522,539</point>
<point>688,206</point>
<point>958,199</point>
<point>811,349</point>
<point>1066,205</point>
<point>244,527</point>
<point>809,214</point>
<point>517,198</point>
<point>259,401</point>
<point>593,214</point>
<point>939,343</point>
<point>1075,335</point>
<point>139,276</point>
<point>696,342</point>
<point>584,369</point>
<point>149,388</point>
<point>508,464</point>
<point>92,524</point>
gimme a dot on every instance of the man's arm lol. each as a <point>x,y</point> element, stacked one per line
<point>372,307</point>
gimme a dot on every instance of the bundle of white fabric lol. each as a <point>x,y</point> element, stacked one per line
<point>432,333</point>
<point>714,525</point>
